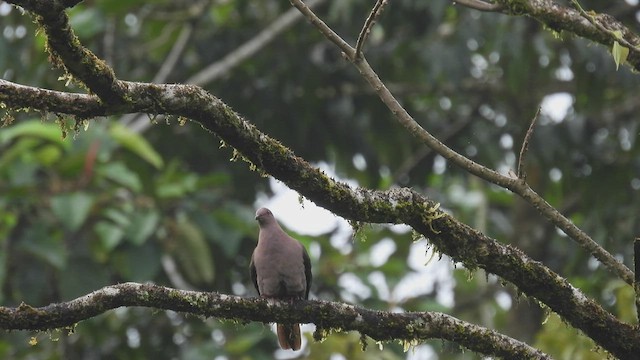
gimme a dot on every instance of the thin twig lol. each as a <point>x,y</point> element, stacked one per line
<point>175,54</point>
<point>138,123</point>
<point>480,5</point>
<point>368,24</point>
<point>411,162</point>
<point>324,29</point>
<point>246,50</point>
<point>522,174</point>
<point>516,185</point>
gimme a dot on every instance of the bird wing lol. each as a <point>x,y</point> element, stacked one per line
<point>307,270</point>
<point>254,274</point>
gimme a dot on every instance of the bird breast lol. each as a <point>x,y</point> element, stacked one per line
<point>280,269</point>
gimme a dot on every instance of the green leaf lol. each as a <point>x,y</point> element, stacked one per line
<point>81,277</point>
<point>620,54</point>
<point>72,209</point>
<point>618,34</point>
<point>122,175</point>
<point>33,128</point>
<point>86,22</point>
<point>193,254</point>
<point>118,216</point>
<point>142,225</point>
<point>21,147</point>
<point>178,187</point>
<point>110,234</point>
<point>39,241</point>
<point>48,155</point>
<point>228,239</point>
<point>136,144</point>
<point>138,263</point>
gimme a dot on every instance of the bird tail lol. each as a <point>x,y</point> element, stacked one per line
<point>289,336</point>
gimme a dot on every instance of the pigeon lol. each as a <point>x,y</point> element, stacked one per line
<point>280,269</point>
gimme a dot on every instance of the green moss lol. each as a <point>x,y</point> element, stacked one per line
<point>7,118</point>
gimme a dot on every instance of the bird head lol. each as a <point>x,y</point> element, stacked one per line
<point>264,215</point>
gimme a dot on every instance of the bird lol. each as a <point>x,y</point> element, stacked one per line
<point>280,269</point>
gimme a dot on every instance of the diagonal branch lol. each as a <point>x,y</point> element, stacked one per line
<point>449,236</point>
<point>379,325</point>
<point>246,50</point>
<point>518,186</point>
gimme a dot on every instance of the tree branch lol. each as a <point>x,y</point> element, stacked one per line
<point>448,235</point>
<point>518,186</point>
<point>600,28</point>
<point>379,325</point>
<point>67,52</point>
<point>368,24</point>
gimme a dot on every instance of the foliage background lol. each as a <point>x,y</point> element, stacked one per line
<point>167,205</point>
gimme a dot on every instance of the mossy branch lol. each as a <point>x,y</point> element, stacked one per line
<point>599,28</point>
<point>411,328</point>
<point>67,53</point>
<point>448,235</point>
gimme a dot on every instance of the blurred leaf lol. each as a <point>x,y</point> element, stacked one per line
<point>33,128</point>
<point>7,222</point>
<point>72,209</point>
<point>21,147</point>
<point>21,176</point>
<point>625,301</point>
<point>48,155</point>
<point>226,227</point>
<point>118,216</point>
<point>86,21</point>
<point>110,234</point>
<point>41,242</point>
<point>193,253</point>
<point>80,277</point>
<point>120,174</point>
<point>242,344</point>
<point>178,187</point>
<point>136,144</point>
<point>143,224</point>
<point>138,263</point>
<point>564,343</point>
<point>223,13</point>
<point>117,7</point>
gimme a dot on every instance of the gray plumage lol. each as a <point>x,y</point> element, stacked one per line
<point>280,268</point>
